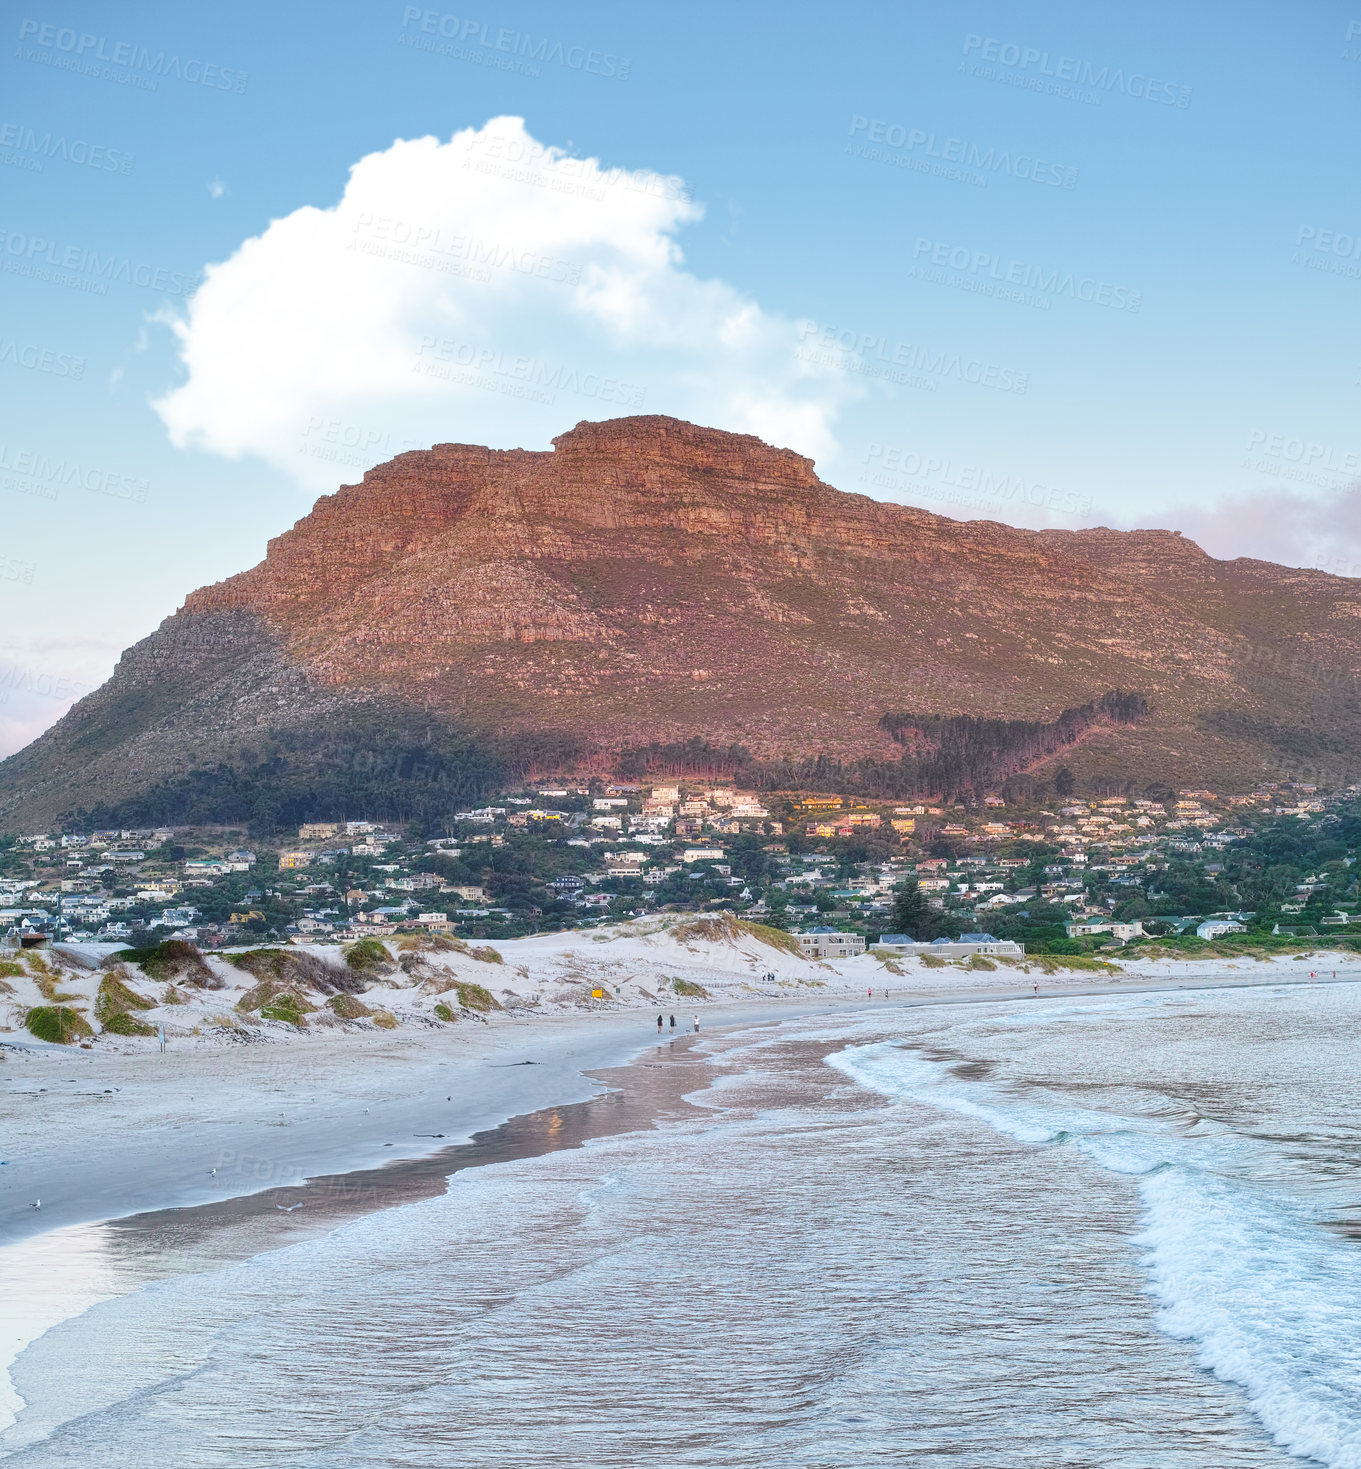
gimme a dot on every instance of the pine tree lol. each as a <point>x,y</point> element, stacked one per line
<point>912,914</point>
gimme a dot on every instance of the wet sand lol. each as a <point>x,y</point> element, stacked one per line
<point>152,1245</point>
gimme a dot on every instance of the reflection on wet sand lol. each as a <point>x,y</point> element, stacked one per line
<point>179,1241</point>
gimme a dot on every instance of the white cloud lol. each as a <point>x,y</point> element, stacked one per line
<point>487,290</point>
<point>1320,530</point>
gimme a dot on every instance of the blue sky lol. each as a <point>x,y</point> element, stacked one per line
<point>1063,266</point>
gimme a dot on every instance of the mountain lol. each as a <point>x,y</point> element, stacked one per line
<point>655,595</point>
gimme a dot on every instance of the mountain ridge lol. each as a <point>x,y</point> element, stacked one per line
<point>649,582</point>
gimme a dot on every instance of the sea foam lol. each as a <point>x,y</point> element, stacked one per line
<point>1243,1269</point>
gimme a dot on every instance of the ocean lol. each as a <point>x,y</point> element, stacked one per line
<point>1117,1231</point>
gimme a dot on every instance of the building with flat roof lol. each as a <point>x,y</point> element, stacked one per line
<point>964,947</point>
<point>829,943</point>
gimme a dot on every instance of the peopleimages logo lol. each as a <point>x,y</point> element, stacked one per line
<point>983,268</point>
<point>516,44</point>
<point>1038,66</point>
<point>79,51</point>
<point>525,377</point>
<point>873,355</point>
<point>42,359</point>
<point>41,259</point>
<point>886,467</point>
<point>960,152</point>
<point>1303,460</point>
<point>56,146</point>
<point>29,472</point>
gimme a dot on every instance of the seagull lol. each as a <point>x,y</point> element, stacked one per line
<point>211,1171</point>
<point>37,1204</point>
<point>288,1208</point>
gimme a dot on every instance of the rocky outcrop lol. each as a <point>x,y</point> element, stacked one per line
<point>650,581</point>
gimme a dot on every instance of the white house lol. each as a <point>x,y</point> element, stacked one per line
<point>829,943</point>
<point>1212,928</point>
<point>1121,931</point>
<point>964,947</point>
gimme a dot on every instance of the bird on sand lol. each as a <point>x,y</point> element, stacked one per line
<point>36,1204</point>
<point>288,1208</point>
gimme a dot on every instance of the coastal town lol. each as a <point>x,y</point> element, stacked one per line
<point>1067,875</point>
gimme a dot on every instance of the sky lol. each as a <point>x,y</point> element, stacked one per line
<point>1058,265</point>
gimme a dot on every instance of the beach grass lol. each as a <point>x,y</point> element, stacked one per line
<point>56,1023</point>
<point>348,1007</point>
<point>474,996</point>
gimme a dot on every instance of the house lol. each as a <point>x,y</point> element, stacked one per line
<point>702,854</point>
<point>1213,928</point>
<point>829,943</point>
<point>289,860</point>
<point>964,947</point>
<point>435,922</point>
<point>1121,931</point>
<point>312,831</point>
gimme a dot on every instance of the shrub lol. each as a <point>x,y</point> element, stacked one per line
<point>56,1023</point>
<point>115,998</point>
<point>725,928</point>
<point>349,1008</point>
<point>287,1006</point>
<point>443,943</point>
<point>689,989</point>
<point>486,955</point>
<point>121,1023</point>
<point>933,961</point>
<point>384,1018</point>
<point>173,959</point>
<point>369,956</point>
<point>298,969</point>
<point>275,1001</point>
<point>11,969</point>
<point>474,997</point>
<point>443,1012</point>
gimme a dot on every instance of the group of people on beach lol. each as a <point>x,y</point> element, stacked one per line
<point>673,1025</point>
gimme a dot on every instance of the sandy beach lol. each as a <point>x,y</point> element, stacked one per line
<point>124,1128</point>
<point>185,1166</point>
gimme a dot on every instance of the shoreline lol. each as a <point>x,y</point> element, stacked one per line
<point>557,1083</point>
<point>142,1132</point>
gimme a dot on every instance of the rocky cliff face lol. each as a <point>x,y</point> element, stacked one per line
<point>652,581</point>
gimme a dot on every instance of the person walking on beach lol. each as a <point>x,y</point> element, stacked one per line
<point>673,1022</point>
<point>659,1025</point>
<point>696,1024</point>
